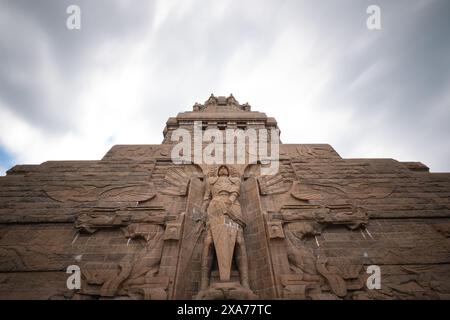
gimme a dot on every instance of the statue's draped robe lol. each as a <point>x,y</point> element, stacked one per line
<point>224,220</point>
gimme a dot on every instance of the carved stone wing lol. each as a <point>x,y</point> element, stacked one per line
<point>118,193</point>
<point>275,184</point>
<point>304,193</point>
<point>176,182</point>
<point>354,190</point>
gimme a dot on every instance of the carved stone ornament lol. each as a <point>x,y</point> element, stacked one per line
<point>137,224</point>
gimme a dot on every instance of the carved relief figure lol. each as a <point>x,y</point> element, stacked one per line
<point>224,229</point>
<point>340,276</point>
<point>301,258</point>
<point>136,274</point>
<point>137,271</point>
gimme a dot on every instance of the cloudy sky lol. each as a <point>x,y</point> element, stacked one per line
<point>313,65</point>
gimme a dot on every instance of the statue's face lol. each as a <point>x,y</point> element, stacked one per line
<point>223,171</point>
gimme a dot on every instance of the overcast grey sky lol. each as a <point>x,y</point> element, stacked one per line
<point>313,65</point>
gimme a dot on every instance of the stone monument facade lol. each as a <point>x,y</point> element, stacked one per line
<point>140,226</point>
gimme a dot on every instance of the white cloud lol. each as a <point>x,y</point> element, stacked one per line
<point>316,69</point>
<point>29,144</point>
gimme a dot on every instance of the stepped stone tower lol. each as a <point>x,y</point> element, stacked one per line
<point>137,225</point>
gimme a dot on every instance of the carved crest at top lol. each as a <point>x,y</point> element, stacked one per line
<point>221,102</point>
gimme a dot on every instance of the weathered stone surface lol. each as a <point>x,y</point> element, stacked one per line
<point>140,226</point>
